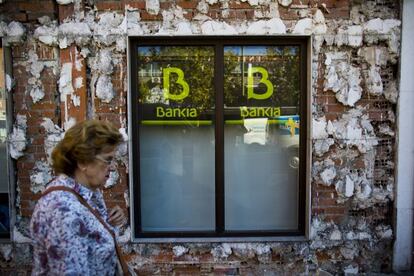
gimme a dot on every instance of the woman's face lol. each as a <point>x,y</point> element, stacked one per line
<point>97,172</point>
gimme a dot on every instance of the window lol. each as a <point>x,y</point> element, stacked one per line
<point>218,136</point>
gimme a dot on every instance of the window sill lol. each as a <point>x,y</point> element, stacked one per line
<point>223,239</point>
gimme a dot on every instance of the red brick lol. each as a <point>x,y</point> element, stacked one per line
<point>20,16</point>
<point>146,16</point>
<point>109,6</point>
<point>139,4</point>
<point>239,5</point>
<point>185,4</point>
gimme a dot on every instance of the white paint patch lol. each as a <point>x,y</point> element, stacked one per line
<point>335,235</point>
<point>110,28</point>
<point>202,7</point>
<point>18,137</point>
<point>40,176</point>
<point>19,237</point>
<point>179,250</point>
<point>328,175</point>
<point>152,6</point>
<point>351,270</point>
<point>391,92</point>
<point>78,82</point>
<point>37,94</point>
<point>104,89</point>
<point>222,251</point>
<point>322,146</point>
<point>285,3</point>
<point>373,81</point>
<point>355,129</point>
<point>349,186</point>
<point>6,251</point>
<point>383,232</point>
<point>349,35</point>
<point>133,26</point>
<point>319,130</point>
<point>102,63</point>
<point>15,32</point>
<point>112,180</point>
<point>65,81</point>
<point>342,78</point>
<point>272,26</point>
<point>69,123</point>
<point>47,35</point>
<point>64,2</point>
<point>303,26</point>
<point>9,83</point>
<point>217,28</point>
<point>78,32</point>
<point>53,135</point>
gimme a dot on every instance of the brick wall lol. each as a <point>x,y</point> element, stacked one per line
<point>363,243</point>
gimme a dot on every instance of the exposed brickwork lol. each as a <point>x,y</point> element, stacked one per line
<point>366,250</point>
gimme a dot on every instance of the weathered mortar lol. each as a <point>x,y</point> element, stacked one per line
<point>354,93</point>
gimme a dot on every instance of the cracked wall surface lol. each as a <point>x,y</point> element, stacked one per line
<point>69,62</point>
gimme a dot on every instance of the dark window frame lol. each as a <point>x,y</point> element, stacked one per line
<point>219,42</point>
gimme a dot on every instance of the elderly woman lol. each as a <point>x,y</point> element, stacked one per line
<point>68,239</point>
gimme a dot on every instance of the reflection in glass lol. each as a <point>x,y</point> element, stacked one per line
<point>176,132</point>
<point>261,133</point>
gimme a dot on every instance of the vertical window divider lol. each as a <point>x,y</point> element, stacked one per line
<point>219,135</point>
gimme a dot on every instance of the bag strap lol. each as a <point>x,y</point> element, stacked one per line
<point>97,215</point>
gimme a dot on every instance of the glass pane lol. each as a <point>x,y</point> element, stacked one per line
<point>4,181</point>
<point>177,145</point>
<point>261,133</point>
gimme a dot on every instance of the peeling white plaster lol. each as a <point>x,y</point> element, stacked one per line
<point>53,135</point>
<point>65,81</point>
<point>102,63</point>
<point>70,122</point>
<point>285,3</point>
<point>37,94</point>
<point>384,232</point>
<point>9,83</point>
<point>303,26</point>
<point>336,235</point>
<point>78,32</point>
<point>112,180</point>
<point>379,26</point>
<point>78,83</point>
<point>322,146</point>
<point>374,55</point>
<point>133,26</point>
<point>349,35</point>
<point>105,89</point>
<point>40,176</point>
<point>152,6</point>
<point>6,251</point>
<point>110,28</point>
<point>125,237</point>
<point>64,2</point>
<point>386,129</point>
<point>222,251</point>
<point>19,237</point>
<point>272,26</point>
<point>179,250</point>
<point>217,28</point>
<point>391,92</point>
<point>18,137</point>
<point>373,81</point>
<point>328,175</point>
<point>351,270</point>
<point>349,186</point>
<point>212,2</point>
<point>47,35</point>
<point>202,7</point>
<point>14,33</point>
<point>342,78</point>
<point>319,130</point>
<point>355,129</point>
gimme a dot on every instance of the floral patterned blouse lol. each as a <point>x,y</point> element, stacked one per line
<point>67,237</point>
